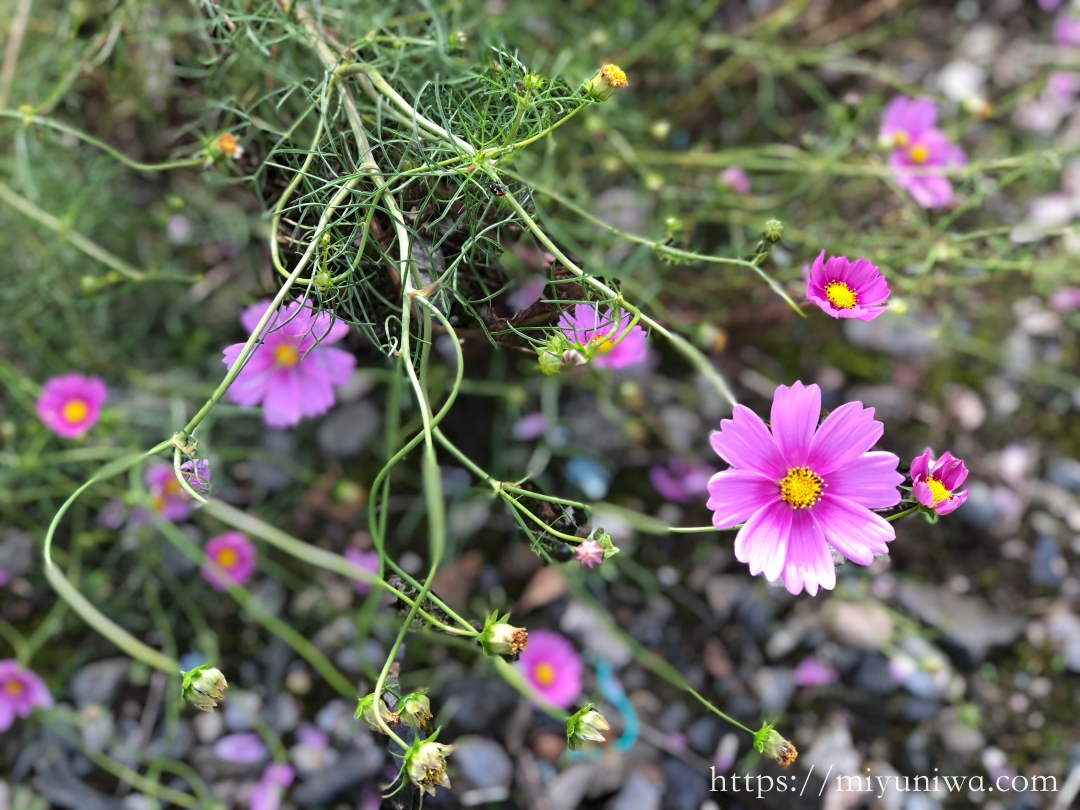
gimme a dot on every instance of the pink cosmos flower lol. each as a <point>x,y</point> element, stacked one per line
<point>275,780</point>
<point>1066,29</point>
<point>245,748</point>
<point>931,149</point>
<point>168,497</point>
<point>680,480</point>
<point>197,474</point>
<point>736,179</point>
<point>935,485</point>
<point>368,560</point>
<point>904,120</point>
<point>21,691</point>
<point>294,371</point>
<point>589,553</point>
<point>233,553</point>
<point>553,667</point>
<point>70,404</point>
<point>586,327</point>
<point>846,289</point>
<point>799,490</point>
<point>1065,299</point>
<point>811,672</point>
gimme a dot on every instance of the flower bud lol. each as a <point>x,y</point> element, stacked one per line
<point>500,638</point>
<point>589,553</point>
<point>550,363</point>
<point>426,765</point>
<point>415,709</point>
<point>774,746</point>
<point>587,725</point>
<point>203,687</point>
<point>365,710</point>
<point>606,81</point>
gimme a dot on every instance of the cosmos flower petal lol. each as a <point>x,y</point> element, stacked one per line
<point>251,315</point>
<point>809,562</point>
<point>846,434</point>
<point>853,530</point>
<point>870,480</point>
<point>552,667</point>
<point>795,412</point>
<point>735,495</point>
<point>7,715</point>
<point>283,402</point>
<point>950,504</point>
<point>746,444</point>
<point>327,329</point>
<point>920,467</point>
<point>762,541</point>
<point>333,366</point>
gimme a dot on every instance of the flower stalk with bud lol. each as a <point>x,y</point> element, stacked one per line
<point>203,686</point>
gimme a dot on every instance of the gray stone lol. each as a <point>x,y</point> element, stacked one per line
<point>272,470</point>
<point>1048,566</point>
<point>703,735</point>
<point>774,688</point>
<point>571,785</point>
<point>344,775</point>
<point>99,682</point>
<point>16,551</point>
<point>1065,472</point>
<point>345,432</point>
<point>873,675</point>
<point>686,788</point>
<point>639,793</point>
<point>482,762</point>
<point>239,708</point>
<point>981,508</point>
<point>966,621</point>
<point>917,709</point>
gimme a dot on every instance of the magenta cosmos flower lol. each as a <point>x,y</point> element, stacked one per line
<point>935,484</point>
<point>233,553</point>
<point>168,497</point>
<point>1066,29</point>
<point>799,490</point>
<point>553,667</point>
<point>586,327</point>
<point>294,371</point>
<point>912,167</point>
<point>70,404</point>
<point>846,289</point>
<point>21,691</point>
<point>368,560</point>
<point>736,179</point>
<point>904,120</point>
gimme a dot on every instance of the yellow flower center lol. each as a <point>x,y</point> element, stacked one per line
<point>801,487</point>
<point>227,558</point>
<point>227,144</point>
<point>937,489</point>
<point>13,687</point>
<point>614,75</point>
<point>840,295</point>
<point>900,138</point>
<point>604,344</point>
<point>286,355</point>
<point>545,673</point>
<point>919,154</point>
<point>75,410</point>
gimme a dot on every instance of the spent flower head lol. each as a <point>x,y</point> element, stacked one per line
<point>585,725</point>
<point>800,488</point>
<point>934,484</point>
<point>771,744</point>
<point>203,686</point>
<point>425,762</point>
<point>365,710</point>
<point>70,404</point>
<point>500,638</point>
<point>415,708</point>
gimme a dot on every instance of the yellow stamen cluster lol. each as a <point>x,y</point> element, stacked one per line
<point>614,75</point>
<point>840,295</point>
<point>937,489</point>
<point>75,410</point>
<point>919,154</point>
<point>900,138</point>
<point>286,355</point>
<point>227,145</point>
<point>545,673</point>
<point>227,557</point>
<point>13,687</point>
<point>801,487</point>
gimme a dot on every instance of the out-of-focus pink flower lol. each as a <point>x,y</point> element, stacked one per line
<point>935,484</point>
<point>1050,5</point>
<point>586,327</point>
<point>168,497</point>
<point>530,426</point>
<point>904,120</point>
<point>681,480</point>
<point>368,560</point>
<point>528,293</point>
<point>911,167</point>
<point>1065,299</point>
<point>5,577</point>
<point>197,474</point>
<point>21,691</point>
<point>246,748</point>
<point>267,794</point>
<point>233,553</point>
<point>811,672</point>
<point>846,289</point>
<point>736,179</point>
<point>1062,88</point>
<point>589,553</point>
<point>1066,29</point>
<point>70,404</point>
<point>294,371</point>
<point>801,488</point>
<point>553,667</point>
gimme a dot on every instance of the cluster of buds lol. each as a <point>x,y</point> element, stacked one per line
<point>415,709</point>
<point>771,744</point>
<point>425,762</point>
<point>366,711</point>
<point>586,725</point>
<point>594,549</point>
<point>559,354</point>
<point>500,638</point>
<point>203,686</point>
<point>606,81</point>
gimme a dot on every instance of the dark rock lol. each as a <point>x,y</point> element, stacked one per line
<point>483,763</point>
<point>1065,472</point>
<point>873,675</point>
<point>347,429</point>
<point>1048,566</point>
<point>99,682</point>
<point>344,775</point>
<point>918,709</point>
<point>686,786</point>
<point>703,735</point>
<point>481,704</point>
<point>967,622</point>
<point>639,793</point>
<point>980,509</point>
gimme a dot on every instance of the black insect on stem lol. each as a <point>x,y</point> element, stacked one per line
<point>498,189</point>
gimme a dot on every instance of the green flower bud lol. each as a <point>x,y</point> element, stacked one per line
<point>772,745</point>
<point>774,229</point>
<point>550,363</point>
<point>500,638</point>
<point>203,687</point>
<point>606,81</point>
<point>425,763</point>
<point>415,709</point>
<point>587,725</point>
<point>534,81</point>
<point>365,710</point>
